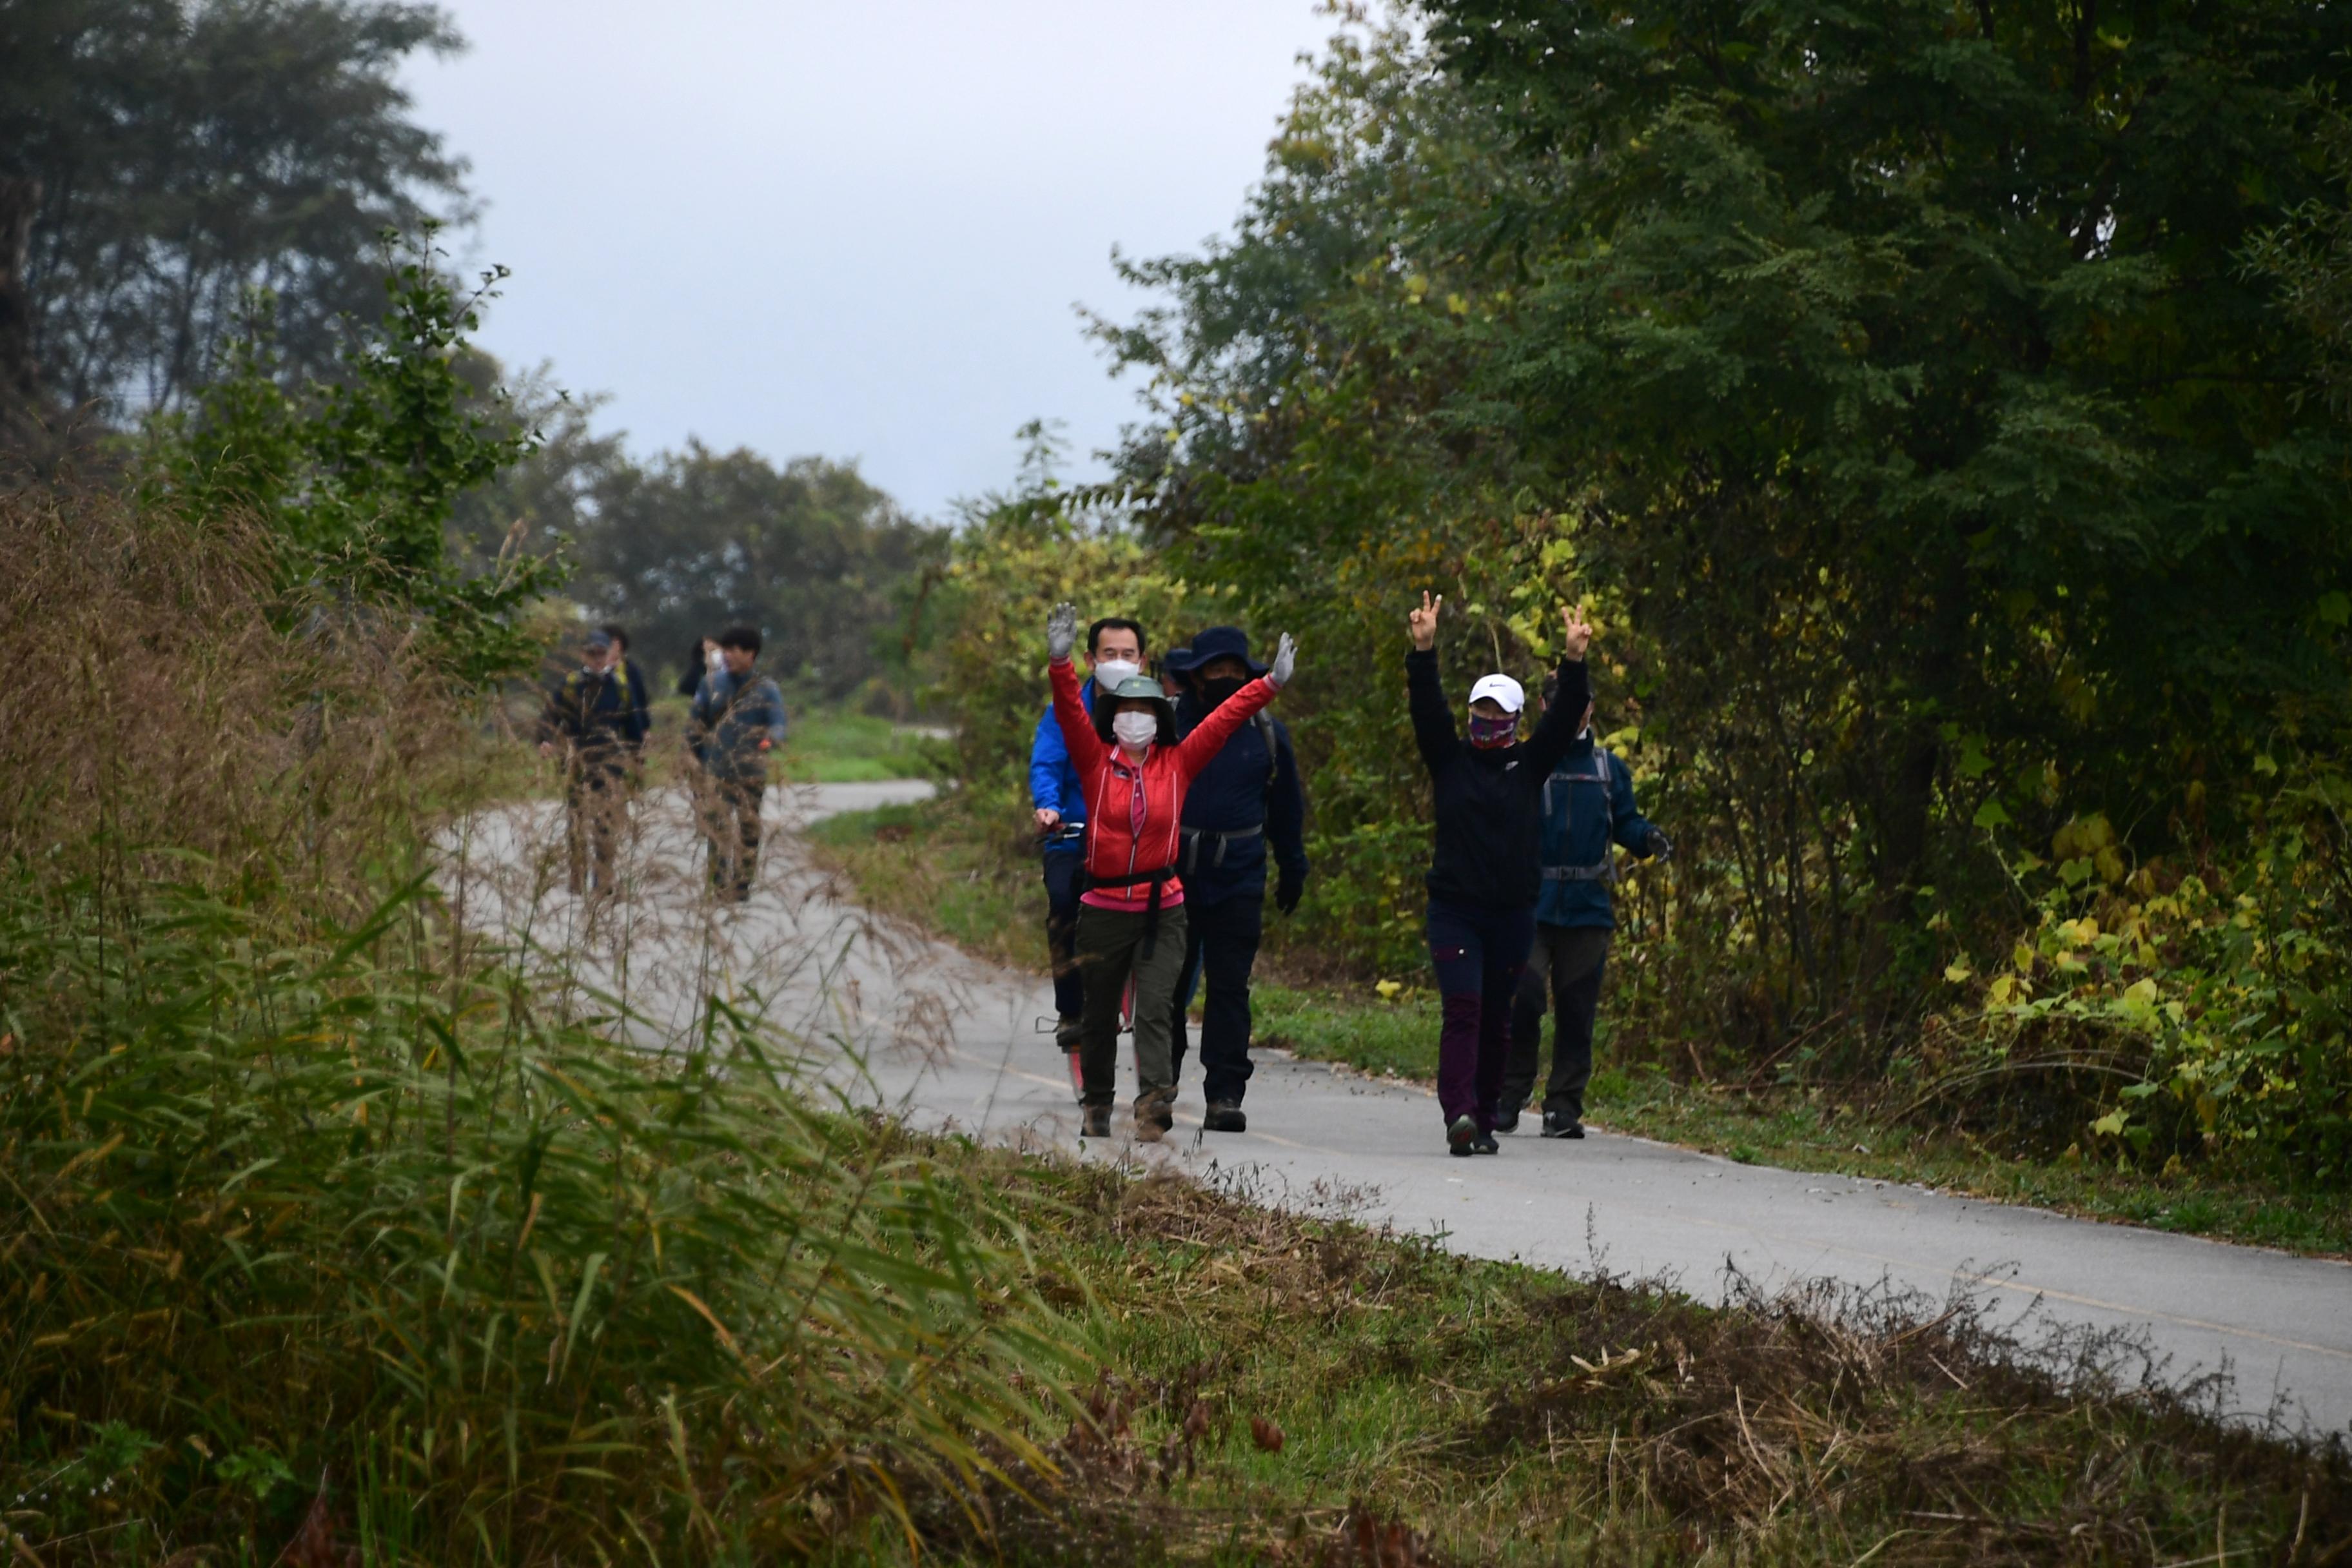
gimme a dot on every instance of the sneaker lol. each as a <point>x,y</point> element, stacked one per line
<point>1460,1134</point>
<point>1225,1116</point>
<point>1096,1122</point>
<point>1507,1118</point>
<point>1484,1144</point>
<point>1559,1126</point>
<point>1066,1033</point>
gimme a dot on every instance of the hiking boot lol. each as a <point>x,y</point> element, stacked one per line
<point>1507,1119</point>
<point>1460,1134</point>
<point>1095,1122</point>
<point>1155,1113</point>
<point>1225,1116</point>
<point>1484,1144</point>
<point>1066,1033</point>
<point>1558,1125</point>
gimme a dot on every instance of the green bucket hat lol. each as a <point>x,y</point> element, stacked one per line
<point>1137,688</point>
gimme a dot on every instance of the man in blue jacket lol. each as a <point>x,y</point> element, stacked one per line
<point>739,724</point>
<point>1244,804</point>
<point>1588,805</point>
<point>1114,653</point>
<point>596,719</point>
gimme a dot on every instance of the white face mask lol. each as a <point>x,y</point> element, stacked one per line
<point>1109,672</point>
<point>1135,730</point>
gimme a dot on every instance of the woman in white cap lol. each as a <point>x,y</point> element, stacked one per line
<point>1486,868</point>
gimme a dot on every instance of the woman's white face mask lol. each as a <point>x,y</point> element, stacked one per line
<point>1109,672</point>
<point>1135,730</point>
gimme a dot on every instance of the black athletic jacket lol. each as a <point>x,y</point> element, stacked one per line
<point>1489,803</point>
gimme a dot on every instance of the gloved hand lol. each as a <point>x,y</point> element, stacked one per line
<point>1285,658</point>
<point>1660,847</point>
<point>1061,631</point>
<point>1288,889</point>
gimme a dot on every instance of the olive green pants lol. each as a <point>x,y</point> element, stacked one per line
<point>1110,953</point>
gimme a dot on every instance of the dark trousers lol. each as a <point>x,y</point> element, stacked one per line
<point>1478,953</point>
<point>1062,930</point>
<point>596,801</point>
<point>1220,948</point>
<point>1574,958</point>
<point>730,823</point>
<point>1110,953</point>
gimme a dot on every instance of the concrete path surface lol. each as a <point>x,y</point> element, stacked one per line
<point>955,1043</point>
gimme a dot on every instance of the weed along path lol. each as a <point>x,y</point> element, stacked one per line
<point>953,1044</point>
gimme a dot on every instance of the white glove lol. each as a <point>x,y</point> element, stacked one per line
<point>1286,658</point>
<point>1061,631</point>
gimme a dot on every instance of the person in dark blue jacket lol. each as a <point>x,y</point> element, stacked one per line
<point>1588,806</point>
<point>1114,653</point>
<point>596,719</point>
<point>1243,806</point>
<point>739,724</point>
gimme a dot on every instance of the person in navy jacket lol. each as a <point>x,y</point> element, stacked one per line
<point>1244,807</point>
<point>1588,806</point>
<point>1114,653</point>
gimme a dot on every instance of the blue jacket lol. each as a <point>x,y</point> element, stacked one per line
<point>1588,802</point>
<point>1053,779</point>
<point>732,715</point>
<point>1242,788</point>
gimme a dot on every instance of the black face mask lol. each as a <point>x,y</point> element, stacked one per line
<point>1215,693</point>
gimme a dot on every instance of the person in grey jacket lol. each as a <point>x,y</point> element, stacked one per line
<point>739,724</point>
<point>1588,805</point>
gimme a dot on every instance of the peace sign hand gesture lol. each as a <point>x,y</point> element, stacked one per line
<point>1577,631</point>
<point>1423,622</point>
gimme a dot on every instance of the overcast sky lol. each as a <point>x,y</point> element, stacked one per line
<point>857,227</point>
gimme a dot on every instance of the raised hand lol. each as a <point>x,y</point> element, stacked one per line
<point>1286,658</point>
<point>1423,622</point>
<point>1061,631</point>
<point>1577,631</point>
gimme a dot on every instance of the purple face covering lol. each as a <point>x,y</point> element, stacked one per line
<point>1486,733</point>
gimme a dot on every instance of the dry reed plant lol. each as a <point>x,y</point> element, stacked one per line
<point>373,1197</point>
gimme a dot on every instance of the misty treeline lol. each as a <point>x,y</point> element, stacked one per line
<point>1938,403</point>
<point>203,200</point>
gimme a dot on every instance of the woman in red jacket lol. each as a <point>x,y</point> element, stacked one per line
<point>1134,772</point>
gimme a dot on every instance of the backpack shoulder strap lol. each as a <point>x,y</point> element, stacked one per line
<point>1265,723</point>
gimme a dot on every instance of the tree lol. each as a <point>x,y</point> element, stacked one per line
<point>186,152</point>
<point>1891,375</point>
<point>356,480</point>
<point>811,553</point>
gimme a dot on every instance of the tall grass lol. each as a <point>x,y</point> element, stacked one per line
<point>328,1221</point>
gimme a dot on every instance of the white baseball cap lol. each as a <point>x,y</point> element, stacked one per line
<point>1502,691</point>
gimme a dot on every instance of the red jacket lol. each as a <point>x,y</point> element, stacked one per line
<point>1115,851</point>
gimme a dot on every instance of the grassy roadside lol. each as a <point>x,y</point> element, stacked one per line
<point>926,864</point>
<point>1282,1387</point>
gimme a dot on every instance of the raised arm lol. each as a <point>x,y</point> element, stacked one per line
<point>1078,734</point>
<point>1432,720</point>
<point>1565,717</point>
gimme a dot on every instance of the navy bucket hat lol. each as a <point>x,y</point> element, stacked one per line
<point>1217,642</point>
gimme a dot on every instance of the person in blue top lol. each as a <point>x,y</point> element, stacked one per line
<point>1588,805</point>
<point>596,719</point>
<point>1114,653</point>
<point>1243,809</point>
<point>739,723</point>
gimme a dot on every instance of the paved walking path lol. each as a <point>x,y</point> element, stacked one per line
<point>953,1042</point>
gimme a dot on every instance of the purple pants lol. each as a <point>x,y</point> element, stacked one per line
<point>1479,953</point>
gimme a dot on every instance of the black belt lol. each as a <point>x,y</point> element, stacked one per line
<point>1192,836</point>
<point>1088,881</point>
